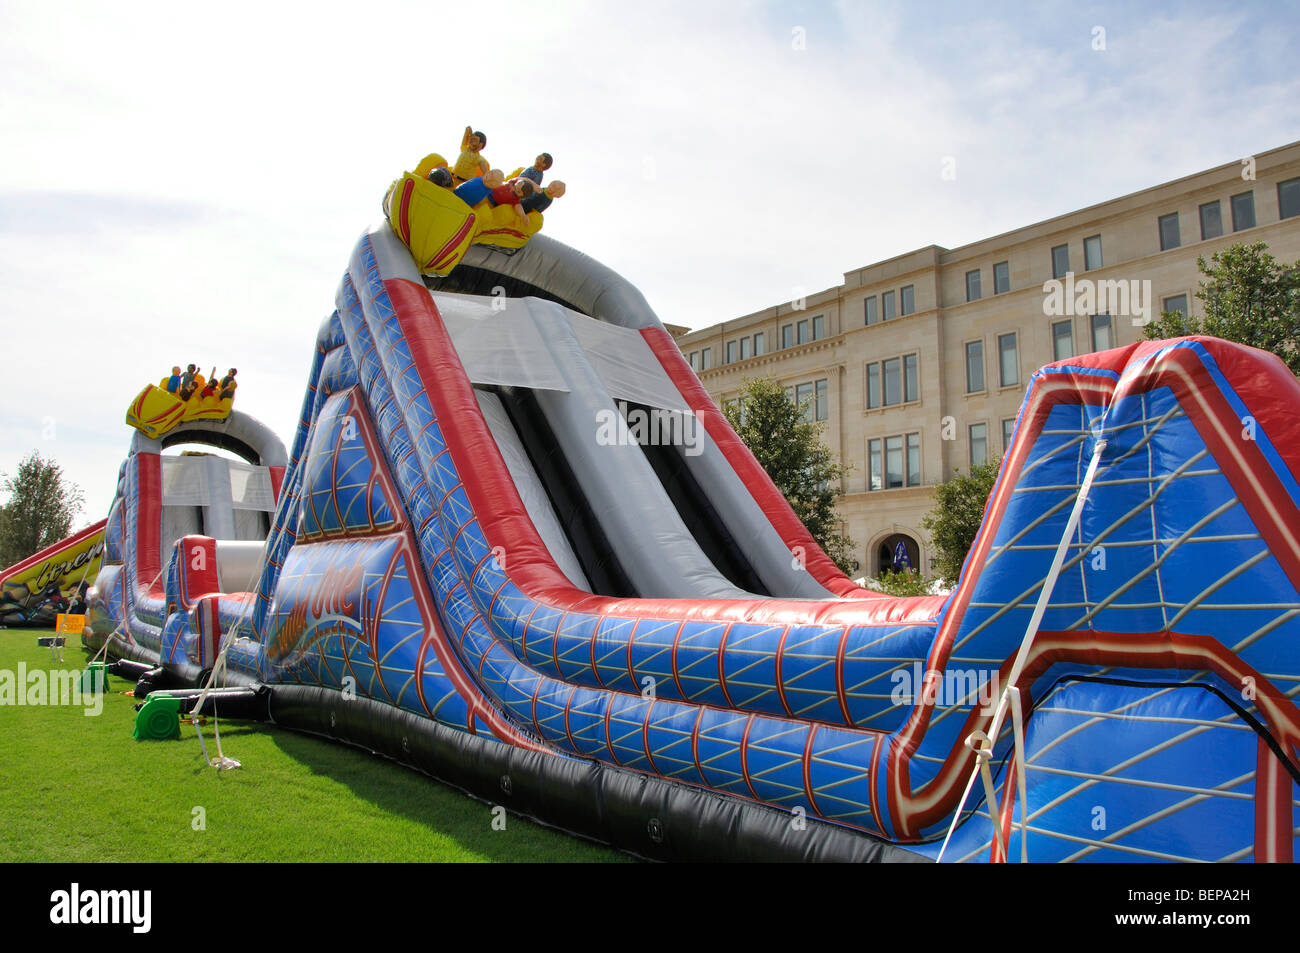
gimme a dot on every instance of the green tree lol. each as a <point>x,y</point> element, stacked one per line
<point>903,582</point>
<point>786,440</point>
<point>956,517</point>
<point>1247,296</point>
<point>42,504</point>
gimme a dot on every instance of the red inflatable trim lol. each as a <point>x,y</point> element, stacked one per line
<point>1264,383</point>
<point>54,548</point>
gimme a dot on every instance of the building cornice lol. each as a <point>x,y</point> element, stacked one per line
<point>934,258</point>
<point>770,357</point>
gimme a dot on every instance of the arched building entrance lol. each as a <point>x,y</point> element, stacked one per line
<point>887,551</point>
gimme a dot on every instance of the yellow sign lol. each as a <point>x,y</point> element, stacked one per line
<point>67,624</point>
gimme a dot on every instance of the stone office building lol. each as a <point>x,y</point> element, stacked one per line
<point>918,364</point>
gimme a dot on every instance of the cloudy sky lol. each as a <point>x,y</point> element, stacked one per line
<point>184,182</point>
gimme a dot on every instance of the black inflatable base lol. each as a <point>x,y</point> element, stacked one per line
<point>648,816</point>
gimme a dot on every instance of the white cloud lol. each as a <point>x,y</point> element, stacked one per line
<point>185,183</point>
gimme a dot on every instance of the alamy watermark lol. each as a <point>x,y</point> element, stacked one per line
<point>40,688</point>
<point>945,689</point>
<point>1130,298</point>
<point>77,906</point>
<point>652,427</point>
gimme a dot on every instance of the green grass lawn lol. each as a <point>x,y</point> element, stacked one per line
<point>79,788</point>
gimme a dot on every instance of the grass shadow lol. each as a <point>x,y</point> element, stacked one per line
<point>407,792</point>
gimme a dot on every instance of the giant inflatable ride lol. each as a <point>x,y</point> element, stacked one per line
<point>470,564</point>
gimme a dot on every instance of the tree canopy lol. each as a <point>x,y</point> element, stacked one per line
<point>956,517</point>
<point>786,440</point>
<point>40,509</point>
<point>1248,296</point>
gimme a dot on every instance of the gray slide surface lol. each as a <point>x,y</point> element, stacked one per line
<point>579,367</point>
<point>530,488</point>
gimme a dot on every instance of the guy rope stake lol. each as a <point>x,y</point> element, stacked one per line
<point>983,743</point>
<point>221,762</point>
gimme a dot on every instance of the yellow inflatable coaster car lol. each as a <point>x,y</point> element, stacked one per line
<point>438,227</point>
<point>156,410</point>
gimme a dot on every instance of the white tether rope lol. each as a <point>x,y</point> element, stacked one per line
<point>222,762</point>
<point>982,743</point>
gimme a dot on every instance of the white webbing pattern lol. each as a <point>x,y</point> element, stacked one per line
<point>982,743</point>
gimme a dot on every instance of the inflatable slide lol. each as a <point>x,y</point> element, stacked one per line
<point>31,591</point>
<point>517,547</point>
<point>163,498</point>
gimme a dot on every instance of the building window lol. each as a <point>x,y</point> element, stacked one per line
<point>1062,340</point>
<point>819,327</point>
<point>1169,237</point>
<point>869,310</point>
<point>891,370</point>
<point>1101,333</point>
<point>1060,261</point>
<point>1243,211</point>
<point>1008,360</point>
<point>979,444</point>
<point>893,381</point>
<point>811,397</point>
<point>802,334</point>
<point>695,360</point>
<point>1008,429</point>
<point>974,367</point>
<point>1176,303</point>
<point>803,397</point>
<point>760,344</point>
<point>706,358</point>
<point>1211,221</point>
<point>744,349</point>
<point>731,352</point>
<point>787,336</point>
<point>1001,278</point>
<point>887,306</point>
<point>1092,252</point>
<point>894,461</point>
<point>907,300</point>
<point>1288,198</point>
<point>973,285</point>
